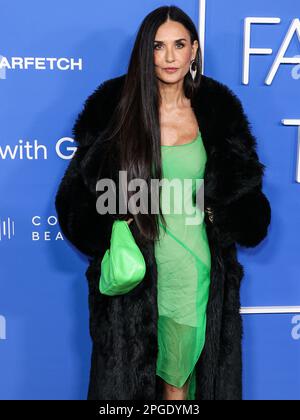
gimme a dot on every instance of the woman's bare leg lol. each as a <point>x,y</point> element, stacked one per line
<point>171,392</point>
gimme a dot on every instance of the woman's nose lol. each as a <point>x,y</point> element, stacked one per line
<point>170,55</point>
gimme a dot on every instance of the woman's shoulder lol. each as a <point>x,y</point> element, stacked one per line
<point>97,110</point>
<point>223,98</point>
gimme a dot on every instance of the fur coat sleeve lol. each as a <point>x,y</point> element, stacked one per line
<point>242,210</point>
<point>75,200</point>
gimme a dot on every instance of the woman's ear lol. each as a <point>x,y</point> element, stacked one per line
<point>195,47</point>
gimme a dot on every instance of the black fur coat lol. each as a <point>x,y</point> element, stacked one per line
<point>124,328</point>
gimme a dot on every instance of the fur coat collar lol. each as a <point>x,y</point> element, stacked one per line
<point>124,328</point>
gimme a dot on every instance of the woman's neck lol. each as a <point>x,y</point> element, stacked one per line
<point>172,96</point>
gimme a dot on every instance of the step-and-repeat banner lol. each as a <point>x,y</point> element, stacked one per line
<point>52,56</point>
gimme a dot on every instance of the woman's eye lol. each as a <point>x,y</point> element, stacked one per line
<point>158,45</point>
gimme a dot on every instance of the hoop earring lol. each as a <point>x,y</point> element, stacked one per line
<point>193,69</point>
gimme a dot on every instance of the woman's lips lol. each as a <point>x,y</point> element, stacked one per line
<point>171,69</point>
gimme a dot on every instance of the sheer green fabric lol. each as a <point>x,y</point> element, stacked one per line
<point>183,265</point>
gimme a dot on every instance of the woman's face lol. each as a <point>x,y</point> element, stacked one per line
<point>173,48</point>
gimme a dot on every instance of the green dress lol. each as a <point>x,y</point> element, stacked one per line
<point>183,266</point>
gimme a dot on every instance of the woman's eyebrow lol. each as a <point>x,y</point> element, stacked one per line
<point>176,40</point>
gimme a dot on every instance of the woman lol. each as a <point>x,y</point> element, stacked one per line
<point>148,122</point>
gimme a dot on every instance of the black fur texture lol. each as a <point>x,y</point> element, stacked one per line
<point>124,328</point>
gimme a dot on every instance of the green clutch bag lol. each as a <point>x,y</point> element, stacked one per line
<point>123,266</point>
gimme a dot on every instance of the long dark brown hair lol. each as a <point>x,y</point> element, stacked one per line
<point>134,127</point>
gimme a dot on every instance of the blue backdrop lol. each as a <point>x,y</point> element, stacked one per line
<point>52,57</point>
